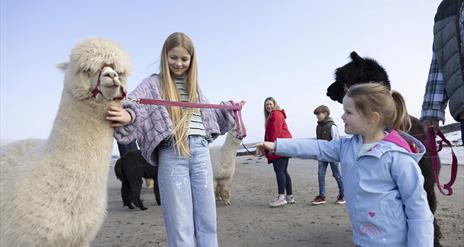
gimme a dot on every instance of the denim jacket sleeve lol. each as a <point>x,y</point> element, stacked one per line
<point>418,214</point>
<point>309,149</point>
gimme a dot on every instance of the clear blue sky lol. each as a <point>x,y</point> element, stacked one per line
<point>245,49</point>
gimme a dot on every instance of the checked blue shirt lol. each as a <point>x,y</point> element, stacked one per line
<point>435,97</point>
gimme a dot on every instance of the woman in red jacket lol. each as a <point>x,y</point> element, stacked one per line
<point>276,127</point>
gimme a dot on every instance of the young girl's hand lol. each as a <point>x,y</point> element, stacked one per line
<point>264,147</point>
<point>118,116</point>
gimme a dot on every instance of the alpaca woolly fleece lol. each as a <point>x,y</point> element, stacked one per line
<point>223,160</point>
<point>53,192</point>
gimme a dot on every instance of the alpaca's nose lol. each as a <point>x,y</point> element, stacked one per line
<point>116,82</point>
<point>111,74</point>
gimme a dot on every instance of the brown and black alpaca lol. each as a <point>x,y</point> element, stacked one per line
<point>130,169</point>
<point>364,70</point>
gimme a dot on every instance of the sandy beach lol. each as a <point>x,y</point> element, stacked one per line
<point>249,221</point>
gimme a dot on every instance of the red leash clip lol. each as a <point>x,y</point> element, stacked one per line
<point>432,147</point>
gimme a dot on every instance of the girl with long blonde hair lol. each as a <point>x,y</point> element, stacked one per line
<point>177,140</point>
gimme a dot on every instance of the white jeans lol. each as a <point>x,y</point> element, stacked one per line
<point>187,195</point>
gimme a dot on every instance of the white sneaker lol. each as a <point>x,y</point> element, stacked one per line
<point>290,199</point>
<point>279,201</point>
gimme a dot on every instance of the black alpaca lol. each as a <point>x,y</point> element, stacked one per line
<point>364,70</point>
<point>130,169</point>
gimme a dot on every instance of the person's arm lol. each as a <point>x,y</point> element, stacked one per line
<point>225,118</point>
<point>409,179</point>
<point>131,113</point>
<point>435,97</point>
<point>309,149</point>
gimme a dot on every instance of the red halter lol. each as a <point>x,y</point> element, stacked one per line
<point>432,147</point>
<point>96,90</point>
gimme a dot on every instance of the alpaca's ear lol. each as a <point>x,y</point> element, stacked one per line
<point>63,66</point>
<point>356,58</point>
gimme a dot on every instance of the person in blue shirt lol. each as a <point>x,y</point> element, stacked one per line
<point>384,190</point>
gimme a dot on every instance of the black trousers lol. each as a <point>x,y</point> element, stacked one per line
<point>284,182</point>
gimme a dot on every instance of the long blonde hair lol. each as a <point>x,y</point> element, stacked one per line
<point>180,117</point>
<point>374,97</point>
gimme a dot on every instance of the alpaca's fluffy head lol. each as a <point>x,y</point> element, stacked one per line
<point>232,133</point>
<point>96,59</point>
<point>359,70</point>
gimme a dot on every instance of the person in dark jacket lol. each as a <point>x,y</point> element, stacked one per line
<point>446,75</point>
<point>327,130</point>
<point>276,127</point>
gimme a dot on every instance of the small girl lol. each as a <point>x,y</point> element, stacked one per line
<point>384,186</point>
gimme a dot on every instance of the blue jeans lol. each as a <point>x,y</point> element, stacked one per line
<point>335,167</point>
<point>187,195</point>
<point>284,182</point>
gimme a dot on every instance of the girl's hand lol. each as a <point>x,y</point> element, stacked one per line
<point>118,116</point>
<point>242,103</point>
<point>264,147</point>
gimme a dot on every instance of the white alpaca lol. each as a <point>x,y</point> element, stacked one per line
<point>223,162</point>
<point>54,192</point>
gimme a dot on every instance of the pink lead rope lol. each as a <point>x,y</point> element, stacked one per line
<point>432,147</point>
<point>235,107</point>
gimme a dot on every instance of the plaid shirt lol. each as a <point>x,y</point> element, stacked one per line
<point>435,97</point>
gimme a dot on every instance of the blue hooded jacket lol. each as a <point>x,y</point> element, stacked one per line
<point>384,190</point>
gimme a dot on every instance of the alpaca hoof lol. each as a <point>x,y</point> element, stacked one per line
<point>143,208</point>
<point>129,205</point>
<point>227,203</point>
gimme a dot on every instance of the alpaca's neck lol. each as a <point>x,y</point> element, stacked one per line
<point>81,137</point>
<point>230,146</point>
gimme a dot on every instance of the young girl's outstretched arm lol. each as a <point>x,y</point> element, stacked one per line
<point>303,148</point>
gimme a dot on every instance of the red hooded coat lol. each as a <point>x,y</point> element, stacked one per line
<point>276,127</point>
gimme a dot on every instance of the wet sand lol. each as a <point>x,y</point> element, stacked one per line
<point>249,221</point>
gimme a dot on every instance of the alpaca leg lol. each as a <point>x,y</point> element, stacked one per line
<point>226,191</point>
<point>125,190</point>
<point>157,192</point>
<point>425,164</point>
<point>216,189</point>
<point>149,183</point>
<point>136,188</point>
<point>222,191</point>
<point>156,186</point>
<point>82,244</point>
